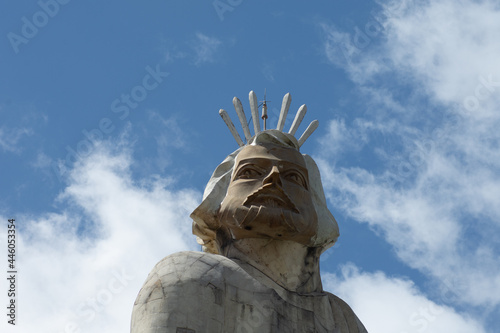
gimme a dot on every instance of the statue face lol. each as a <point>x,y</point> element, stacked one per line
<point>269,196</point>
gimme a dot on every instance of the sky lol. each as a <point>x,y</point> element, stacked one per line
<point>109,132</point>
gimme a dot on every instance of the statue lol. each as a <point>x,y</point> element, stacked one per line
<point>263,224</point>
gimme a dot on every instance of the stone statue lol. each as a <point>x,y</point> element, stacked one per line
<point>263,224</point>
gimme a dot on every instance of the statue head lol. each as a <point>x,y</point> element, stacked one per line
<point>268,193</point>
<point>265,189</point>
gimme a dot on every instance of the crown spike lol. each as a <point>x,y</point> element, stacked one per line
<point>307,133</point>
<point>255,116</point>
<point>243,119</point>
<point>254,107</point>
<point>231,127</point>
<point>298,119</point>
<point>285,105</point>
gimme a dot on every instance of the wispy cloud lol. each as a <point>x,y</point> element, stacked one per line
<point>386,304</point>
<point>92,254</point>
<point>436,202</point>
<point>170,138</point>
<point>268,71</point>
<point>340,139</point>
<point>10,138</point>
<point>205,48</point>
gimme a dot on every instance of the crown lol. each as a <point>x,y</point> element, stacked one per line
<point>254,108</point>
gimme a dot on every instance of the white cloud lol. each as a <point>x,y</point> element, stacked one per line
<point>10,138</point>
<point>338,138</point>
<point>445,45</point>
<point>342,139</point>
<point>344,49</point>
<point>168,135</point>
<point>395,305</point>
<point>437,201</point>
<point>205,48</point>
<point>42,161</point>
<point>437,205</point>
<point>84,264</point>
<point>171,55</point>
<point>268,70</point>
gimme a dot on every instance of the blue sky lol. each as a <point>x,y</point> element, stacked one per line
<point>109,131</point>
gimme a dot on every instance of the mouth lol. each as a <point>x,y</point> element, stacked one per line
<point>270,197</point>
<point>269,200</point>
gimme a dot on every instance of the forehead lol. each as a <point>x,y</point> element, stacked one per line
<point>271,152</point>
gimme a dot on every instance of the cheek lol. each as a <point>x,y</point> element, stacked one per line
<point>302,199</point>
<point>236,195</point>
<point>299,195</point>
<point>242,189</point>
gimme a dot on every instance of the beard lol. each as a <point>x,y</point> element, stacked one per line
<point>268,212</point>
<point>266,217</point>
<point>267,222</point>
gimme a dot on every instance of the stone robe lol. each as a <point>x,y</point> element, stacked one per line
<point>190,292</point>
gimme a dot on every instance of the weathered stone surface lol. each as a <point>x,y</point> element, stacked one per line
<point>205,292</point>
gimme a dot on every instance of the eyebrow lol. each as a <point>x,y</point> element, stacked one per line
<point>255,159</point>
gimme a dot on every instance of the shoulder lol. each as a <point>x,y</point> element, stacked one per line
<point>344,315</point>
<point>189,269</point>
<point>186,289</point>
<point>192,261</point>
<point>199,267</point>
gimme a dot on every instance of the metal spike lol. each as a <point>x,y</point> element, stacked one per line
<point>285,105</point>
<point>298,119</point>
<point>243,119</point>
<point>231,127</point>
<point>307,133</point>
<point>264,114</point>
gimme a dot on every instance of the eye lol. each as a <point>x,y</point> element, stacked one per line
<point>297,178</point>
<point>248,172</point>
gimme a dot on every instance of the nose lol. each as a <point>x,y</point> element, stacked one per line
<point>273,177</point>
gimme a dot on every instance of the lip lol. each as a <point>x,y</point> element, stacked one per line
<point>270,197</point>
